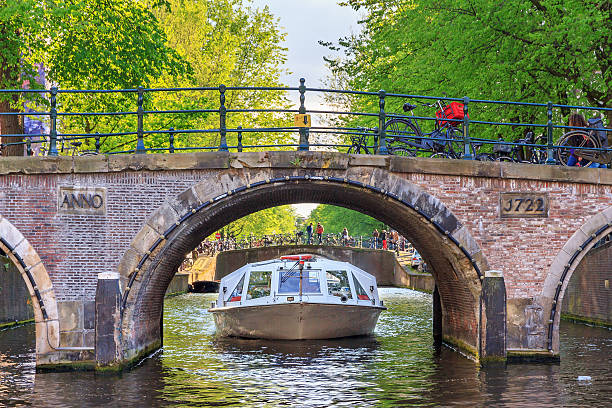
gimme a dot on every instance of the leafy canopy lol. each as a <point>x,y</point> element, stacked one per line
<point>334,219</point>
<point>521,50</point>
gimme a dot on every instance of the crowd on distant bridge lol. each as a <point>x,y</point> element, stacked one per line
<point>312,235</point>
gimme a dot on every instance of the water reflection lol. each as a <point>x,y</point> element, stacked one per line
<point>398,366</point>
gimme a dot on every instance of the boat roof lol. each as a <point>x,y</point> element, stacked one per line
<point>309,260</point>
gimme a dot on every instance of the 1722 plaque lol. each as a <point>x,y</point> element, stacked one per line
<point>523,205</point>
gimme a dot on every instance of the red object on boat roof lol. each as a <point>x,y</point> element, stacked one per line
<point>296,257</point>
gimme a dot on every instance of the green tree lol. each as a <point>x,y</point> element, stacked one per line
<point>224,42</point>
<point>523,50</point>
<point>83,44</point>
<point>334,219</point>
<point>275,220</point>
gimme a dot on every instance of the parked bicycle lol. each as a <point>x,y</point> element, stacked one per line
<point>359,143</point>
<point>523,151</point>
<point>406,138</point>
<point>576,141</point>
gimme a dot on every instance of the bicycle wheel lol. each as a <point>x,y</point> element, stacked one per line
<point>539,154</point>
<point>505,159</point>
<point>358,149</point>
<point>402,151</point>
<point>400,132</point>
<point>484,157</point>
<point>571,142</point>
<point>440,155</point>
<point>455,142</point>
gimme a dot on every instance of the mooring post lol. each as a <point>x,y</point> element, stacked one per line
<point>493,318</point>
<point>437,317</point>
<point>108,315</point>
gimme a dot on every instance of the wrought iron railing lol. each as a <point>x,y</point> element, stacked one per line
<point>231,137</point>
<point>328,239</point>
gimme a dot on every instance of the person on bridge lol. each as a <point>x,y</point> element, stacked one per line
<point>309,234</point>
<point>345,237</point>
<point>383,238</point>
<point>375,239</point>
<point>320,232</point>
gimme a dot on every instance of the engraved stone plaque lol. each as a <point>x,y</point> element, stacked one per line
<point>82,200</point>
<point>523,205</point>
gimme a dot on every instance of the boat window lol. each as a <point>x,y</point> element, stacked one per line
<point>259,284</point>
<point>361,293</point>
<point>289,281</point>
<point>338,284</point>
<point>237,293</point>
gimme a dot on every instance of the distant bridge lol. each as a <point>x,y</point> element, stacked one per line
<point>107,234</point>
<point>382,264</point>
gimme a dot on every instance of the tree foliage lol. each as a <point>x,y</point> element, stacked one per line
<point>521,50</point>
<point>122,44</point>
<point>334,219</point>
<point>275,220</point>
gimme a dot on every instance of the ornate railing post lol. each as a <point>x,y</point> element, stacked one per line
<point>239,138</point>
<point>381,123</point>
<point>171,140</point>
<point>97,139</point>
<point>304,144</point>
<point>222,117</point>
<point>550,157</point>
<point>140,147</point>
<point>467,145</point>
<point>53,128</point>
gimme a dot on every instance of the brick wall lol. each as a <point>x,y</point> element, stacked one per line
<point>75,248</point>
<point>587,296</point>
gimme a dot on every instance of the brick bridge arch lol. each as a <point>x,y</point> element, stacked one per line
<point>178,226</point>
<point>33,271</point>
<point>146,195</point>
<point>564,265</point>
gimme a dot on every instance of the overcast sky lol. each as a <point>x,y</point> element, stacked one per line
<point>306,22</point>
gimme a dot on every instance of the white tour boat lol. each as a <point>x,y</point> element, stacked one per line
<point>297,297</point>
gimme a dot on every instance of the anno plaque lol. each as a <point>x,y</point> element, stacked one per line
<point>523,205</point>
<point>82,200</point>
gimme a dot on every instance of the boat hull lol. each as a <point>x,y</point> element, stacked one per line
<point>296,321</point>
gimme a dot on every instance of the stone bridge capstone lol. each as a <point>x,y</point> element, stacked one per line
<point>65,222</point>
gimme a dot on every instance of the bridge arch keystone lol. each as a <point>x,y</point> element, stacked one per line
<point>182,222</point>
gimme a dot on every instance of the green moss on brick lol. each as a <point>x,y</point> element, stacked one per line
<point>586,320</point>
<point>461,345</point>
<point>14,324</point>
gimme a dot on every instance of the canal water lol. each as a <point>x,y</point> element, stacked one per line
<point>398,366</point>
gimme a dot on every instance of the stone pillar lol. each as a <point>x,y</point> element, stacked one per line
<point>493,318</point>
<point>437,317</point>
<point>108,315</point>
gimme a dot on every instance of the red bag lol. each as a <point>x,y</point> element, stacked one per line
<point>453,110</point>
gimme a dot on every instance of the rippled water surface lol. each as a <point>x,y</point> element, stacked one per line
<point>398,366</point>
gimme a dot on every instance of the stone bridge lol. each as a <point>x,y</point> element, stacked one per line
<point>382,264</point>
<point>76,226</point>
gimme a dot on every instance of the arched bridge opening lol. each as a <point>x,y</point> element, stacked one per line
<point>155,254</point>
